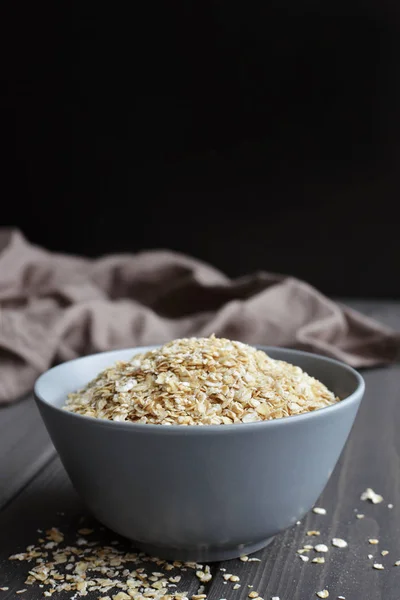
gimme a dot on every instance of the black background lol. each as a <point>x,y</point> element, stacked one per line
<point>253,135</point>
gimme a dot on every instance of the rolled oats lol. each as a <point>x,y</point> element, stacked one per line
<point>319,511</point>
<point>372,496</point>
<point>105,569</point>
<point>200,381</point>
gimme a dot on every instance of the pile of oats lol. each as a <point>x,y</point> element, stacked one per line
<point>112,573</point>
<point>200,381</point>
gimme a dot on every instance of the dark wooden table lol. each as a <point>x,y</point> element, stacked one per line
<point>35,493</point>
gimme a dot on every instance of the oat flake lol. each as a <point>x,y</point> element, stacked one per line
<point>304,558</point>
<point>319,511</point>
<point>372,496</point>
<point>200,381</point>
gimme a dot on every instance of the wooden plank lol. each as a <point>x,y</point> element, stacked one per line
<point>24,446</point>
<point>387,312</point>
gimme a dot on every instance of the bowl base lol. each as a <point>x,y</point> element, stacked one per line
<point>211,554</point>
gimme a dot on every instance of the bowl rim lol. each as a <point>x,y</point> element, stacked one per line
<point>354,397</point>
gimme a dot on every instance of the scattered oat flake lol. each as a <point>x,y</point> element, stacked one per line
<point>370,556</point>
<point>198,596</point>
<point>339,543</point>
<point>54,535</point>
<point>253,594</point>
<point>304,558</point>
<point>298,522</point>
<point>234,578</point>
<point>385,552</point>
<point>319,560</point>
<point>390,505</point>
<point>319,511</point>
<point>360,516</point>
<point>372,496</point>
<point>275,598</point>
<point>397,563</point>
<point>321,548</point>
<point>121,596</point>
<point>341,598</point>
<point>254,560</point>
<point>323,594</point>
<point>378,566</point>
<point>21,591</point>
<point>204,576</point>
<point>313,532</point>
<point>244,558</point>
<point>85,531</point>
<point>308,547</point>
<point>236,586</point>
<point>373,541</point>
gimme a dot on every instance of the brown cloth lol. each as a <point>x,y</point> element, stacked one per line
<point>55,307</point>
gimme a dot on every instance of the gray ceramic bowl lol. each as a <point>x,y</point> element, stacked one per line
<point>199,493</point>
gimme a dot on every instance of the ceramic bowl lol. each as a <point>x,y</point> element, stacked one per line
<point>199,493</point>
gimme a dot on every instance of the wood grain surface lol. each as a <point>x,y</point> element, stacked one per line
<point>36,493</point>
